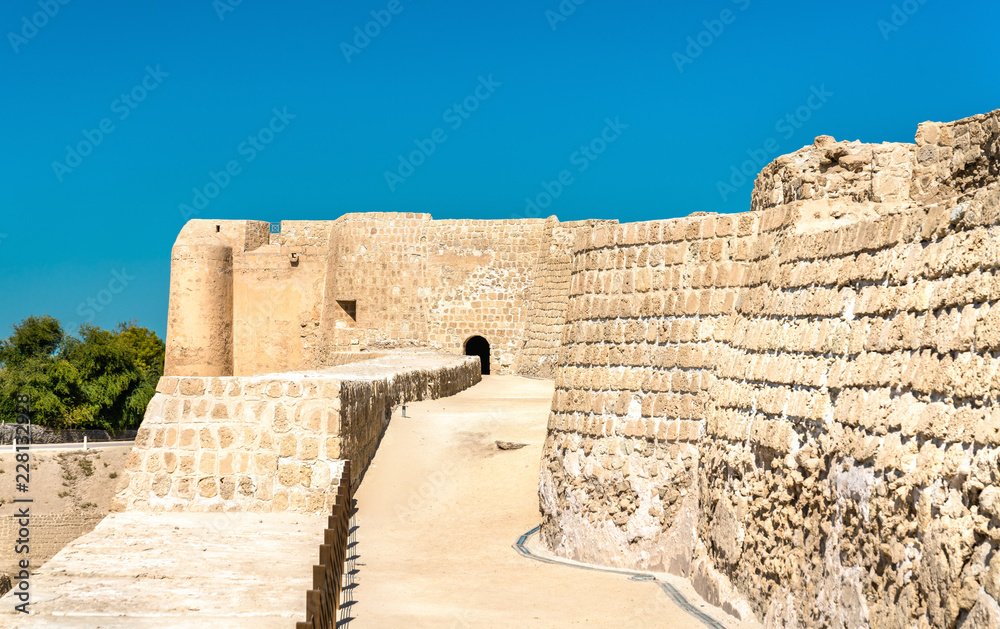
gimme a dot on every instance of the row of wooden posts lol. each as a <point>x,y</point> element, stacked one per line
<point>323,600</point>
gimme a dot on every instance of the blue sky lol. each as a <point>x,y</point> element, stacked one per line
<point>118,114</point>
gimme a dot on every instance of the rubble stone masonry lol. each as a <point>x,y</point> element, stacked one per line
<point>796,406</point>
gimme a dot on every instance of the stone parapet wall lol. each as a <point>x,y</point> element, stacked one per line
<point>273,442</point>
<point>794,408</point>
<point>648,305</point>
<point>370,390</point>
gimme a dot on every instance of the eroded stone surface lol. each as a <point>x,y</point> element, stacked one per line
<point>793,406</point>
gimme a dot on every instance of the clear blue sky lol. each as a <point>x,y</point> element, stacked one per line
<point>547,82</point>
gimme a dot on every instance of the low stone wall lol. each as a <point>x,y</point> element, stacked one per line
<point>274,442</point>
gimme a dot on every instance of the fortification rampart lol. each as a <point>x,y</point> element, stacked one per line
<point>274,442</point>
<point>793,406</point>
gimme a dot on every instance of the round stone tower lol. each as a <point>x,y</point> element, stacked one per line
<point>200,314</point>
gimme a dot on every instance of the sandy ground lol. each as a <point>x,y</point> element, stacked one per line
<point>441,507</point>
<point>65,482</point>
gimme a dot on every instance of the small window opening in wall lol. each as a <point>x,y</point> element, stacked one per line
<point>217,228</point>
<point>350,309</point>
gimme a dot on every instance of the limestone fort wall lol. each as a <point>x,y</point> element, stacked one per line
<point>244,301</point>
<point>793,406</point>
<point>546,315</point>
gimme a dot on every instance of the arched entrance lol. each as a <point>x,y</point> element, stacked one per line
<point>478,346</point>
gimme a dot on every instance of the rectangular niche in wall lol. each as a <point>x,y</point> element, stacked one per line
<point>349,312</point>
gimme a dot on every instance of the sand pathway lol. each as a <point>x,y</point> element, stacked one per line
<point>440,508</point>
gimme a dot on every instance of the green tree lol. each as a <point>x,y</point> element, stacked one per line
<point>57,398</point>
<point>103,379</point>
<point>148,347</point>
<point>34,337</point>
<point>117,387</point>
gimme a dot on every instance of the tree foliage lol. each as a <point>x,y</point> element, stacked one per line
<point>102,379</point>
<point>35,337</point>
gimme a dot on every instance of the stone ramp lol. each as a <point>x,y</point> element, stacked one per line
<point>177,570</point>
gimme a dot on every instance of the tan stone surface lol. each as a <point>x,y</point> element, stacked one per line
<point>66,501</point>
<point>177,570</point>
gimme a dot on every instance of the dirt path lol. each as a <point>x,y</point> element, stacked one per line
<point>440,508</point>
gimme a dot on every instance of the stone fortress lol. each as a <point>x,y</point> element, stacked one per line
<point>792,406</point>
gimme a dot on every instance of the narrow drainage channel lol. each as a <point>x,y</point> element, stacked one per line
<point>677,597</point>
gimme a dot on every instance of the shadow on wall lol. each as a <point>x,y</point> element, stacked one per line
<point>478,346</point>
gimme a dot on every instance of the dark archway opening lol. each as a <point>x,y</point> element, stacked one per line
<point>478,346</point>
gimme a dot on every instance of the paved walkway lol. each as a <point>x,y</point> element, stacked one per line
<point>177,571</point>
<point>438,513</point>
